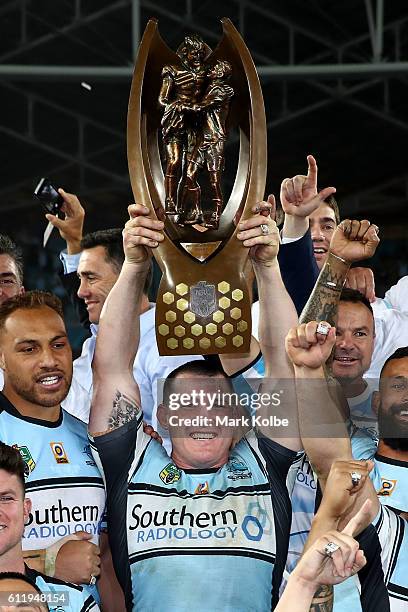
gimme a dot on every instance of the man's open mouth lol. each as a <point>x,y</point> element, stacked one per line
<point>203,435</point>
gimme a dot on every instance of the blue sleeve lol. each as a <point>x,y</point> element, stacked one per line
<point>363,446</point>
<point>299,269</point>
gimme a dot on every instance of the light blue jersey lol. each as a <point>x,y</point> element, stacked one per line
<point>213,539</point>
<point>389,476</point>
<point>62,596</point>
<point>65,486</point>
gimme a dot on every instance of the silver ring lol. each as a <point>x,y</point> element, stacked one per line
<point>322,329</point>
<point>92,580</point>
<point>330,548</point>
<point>264,229</point>
<point>355,478</point>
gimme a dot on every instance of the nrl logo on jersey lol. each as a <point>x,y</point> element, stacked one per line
<point>387,487</point>
<point>237,470</point>
<point>29,463</point>
<point>170,474</point>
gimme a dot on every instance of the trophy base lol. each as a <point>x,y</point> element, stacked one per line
<point>203,318</point>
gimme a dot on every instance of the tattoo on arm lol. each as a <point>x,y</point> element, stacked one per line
<point>322,600</point>
<point>124,410</point>
<point>323,302</point>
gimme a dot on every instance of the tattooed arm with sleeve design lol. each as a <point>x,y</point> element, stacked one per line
<point>352,241</point>
<point>318,405</point>
<point>116,399</point>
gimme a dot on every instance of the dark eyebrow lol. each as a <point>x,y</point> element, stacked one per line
<point>8,492</point>
<point>3,274</point>
<point>86,273</point>
<point>31,341</point>
<point>326,220</point>
<point>58,337</point>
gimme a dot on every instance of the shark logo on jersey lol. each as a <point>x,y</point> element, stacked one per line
<point>387,487</point>
<point>170,474</point>
<point>237,469</point>
<point>202,489</point>
<point>29,463</point>
<point>87,451</point>
<point>59,453</point>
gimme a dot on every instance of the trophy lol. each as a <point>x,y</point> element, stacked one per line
<point>183,106</point>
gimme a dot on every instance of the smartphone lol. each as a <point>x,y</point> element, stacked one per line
<point>48,196</point>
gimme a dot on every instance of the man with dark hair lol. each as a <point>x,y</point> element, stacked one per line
<point>11,269</point>
<point>390,452</point>
<point>97,259</point>
<point>311,217</point>
<point>65,528</point>
<point>302,202</point>
<point>309,346</point>
<point>15,575</point>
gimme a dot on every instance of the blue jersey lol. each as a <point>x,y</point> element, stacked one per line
<point>389,476</point>
<point>183,540</point>
<point>392,532</point>
<point>62,596</point>
<point>62,479</point>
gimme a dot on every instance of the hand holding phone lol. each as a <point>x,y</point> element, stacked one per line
<point>52,202</point>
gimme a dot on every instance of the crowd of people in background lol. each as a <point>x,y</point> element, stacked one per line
<point>113,499</point>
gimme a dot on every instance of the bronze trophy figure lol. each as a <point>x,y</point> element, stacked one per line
<point>181,88</point>
<point>182,109</point>
<point>209,149</point>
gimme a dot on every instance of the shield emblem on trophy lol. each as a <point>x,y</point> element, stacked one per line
<point>183,107</point>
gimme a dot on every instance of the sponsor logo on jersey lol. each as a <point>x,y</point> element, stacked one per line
<point>202,489</point>
<point>387,487</point>
<point>181,522</point>
<point>87,451</point>
<point>61,519</point>
<point>170,474</point>
<point>59,452</point>
<point>237,469</point>
<point>29,463</point>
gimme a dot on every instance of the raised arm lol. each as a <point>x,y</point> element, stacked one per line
<point>321,421</point>
<point>310,585</point>
<point>299,198</point>
<point>321,409</point>
<point>276,315</point>
<point>352,241</point>
<point>116,398</point>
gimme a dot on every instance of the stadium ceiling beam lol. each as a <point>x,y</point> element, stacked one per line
<point>33,141</point>
<point>341,93</point>
<point>333,96</point>
<point>376,195</point>
<point>376,27</point>
<point>64,31</point>
<point>285,22</point>
<point>277,72</point>
<point>34,97</point>
<point>27,184</point>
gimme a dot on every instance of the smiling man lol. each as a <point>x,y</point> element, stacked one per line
<point>208,528</point>
<point>64,484</point>
<point>323,223</point>
<point>16,576</point>
<point>390,453</point>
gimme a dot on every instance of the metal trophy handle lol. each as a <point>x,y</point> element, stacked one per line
<point>204,298</point>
